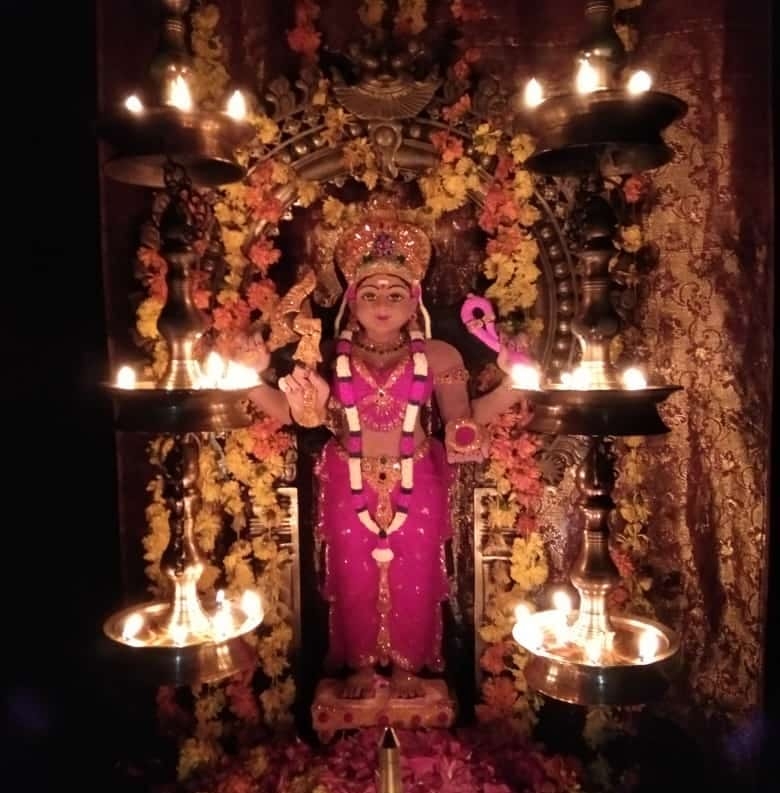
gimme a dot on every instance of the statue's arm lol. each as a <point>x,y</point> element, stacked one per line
<point>450,379</point>
<point>272,402</point>
<point>489,406</point>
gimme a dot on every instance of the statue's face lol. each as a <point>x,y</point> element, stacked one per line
<point>383,304</point>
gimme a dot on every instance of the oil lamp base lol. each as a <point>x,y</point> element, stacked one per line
<point>202,142</point>
<point>603,412</point>
<point>566,669</point>
<point>610,130</point>
<point>148,651</point>
<point>146,408</point>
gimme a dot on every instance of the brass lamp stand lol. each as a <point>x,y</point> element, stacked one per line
<point>588,656</point>
<point>181,639</point>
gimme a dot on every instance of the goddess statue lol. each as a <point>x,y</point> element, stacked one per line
<point>383,481</point>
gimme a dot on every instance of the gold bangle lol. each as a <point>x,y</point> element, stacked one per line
<point>455,428</point>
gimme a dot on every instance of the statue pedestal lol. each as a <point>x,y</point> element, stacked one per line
<point>332,713</point>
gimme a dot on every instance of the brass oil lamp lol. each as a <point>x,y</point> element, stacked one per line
<point>181,638</point>
<point>587,655</point>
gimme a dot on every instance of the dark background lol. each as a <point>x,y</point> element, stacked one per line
<point>61,555</point>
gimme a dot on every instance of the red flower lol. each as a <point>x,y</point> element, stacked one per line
<point>305,41</point>
<point>635,188</point>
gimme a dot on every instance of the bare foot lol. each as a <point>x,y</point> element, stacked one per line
<point>359,685</point>
<point>404,685</point>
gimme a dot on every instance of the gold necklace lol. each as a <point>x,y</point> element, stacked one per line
<point>381,349</point>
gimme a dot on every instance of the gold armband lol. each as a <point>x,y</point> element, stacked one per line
<point>456,374</point>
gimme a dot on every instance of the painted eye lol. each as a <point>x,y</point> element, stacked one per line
<point>369,297</point>
<point>396,297</point>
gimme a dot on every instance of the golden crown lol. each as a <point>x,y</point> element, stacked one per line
<point>387,247</point>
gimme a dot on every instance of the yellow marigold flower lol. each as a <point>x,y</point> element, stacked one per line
<point>208,578</point>
<point>631,238</point>
<point>280,637</point>
<point>598,721</point>
<point>370,177</point>
<point>528,214</point>
<point>267,128</point>
<point>522,147</point>
<point>280,173</point>
<point>332,211</point>
<point>523,187</point>
<point>206,17</point>
<point>147,314</point>
<point>243,577</point>
<point>455,185</point>
<point>239,465</point>
<point>209,705</point>
<point>264,549</point>
<point>529,567</point>
<point>233,239</point>
<point>273,664</point>
<point>257,762</point>
<point>207,527</point>
<point>486,140</point>
<point>491,634</point>
<point>195,754</point>
<point>236,265</point>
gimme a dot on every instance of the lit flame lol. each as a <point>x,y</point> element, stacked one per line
<point>236,106</point>
<point>639,82</point>
<point>648,646</point>
<point>533,95</point>
<point>633,379</point>
<point>230,375</point>
<point>178,634</point>
<point>251,604</point>
<point>587,78</point>
<point>125,377</point>
<point>522,611</point>
<point>561,601</point>
<point>215,370</point>
<point>132,626</point>
<point>579,378</point>
<point>593,649</point>
<point>239,376</point>
<point>526,377</point>
<point>179,94</point>
<point>528,634</point>
<point>134,104</point>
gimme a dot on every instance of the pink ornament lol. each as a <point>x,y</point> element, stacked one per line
<point>478,316</point>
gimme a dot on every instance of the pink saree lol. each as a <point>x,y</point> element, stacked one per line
<point>400,621</point>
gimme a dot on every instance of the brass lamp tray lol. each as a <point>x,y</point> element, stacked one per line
<point>608,411</point>
<point>201,662</point>
<point>619,132</point>
<point>203,142</point>
<point>149,409</point>
<point>560,671</point>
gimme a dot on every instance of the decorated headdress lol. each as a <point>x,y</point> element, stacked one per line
<point>382,246</point>
<point>389,247</point>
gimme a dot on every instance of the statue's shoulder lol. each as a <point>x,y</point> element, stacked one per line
<point>442,355</point>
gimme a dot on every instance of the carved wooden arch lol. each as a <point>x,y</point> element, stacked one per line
<point>399,132</point>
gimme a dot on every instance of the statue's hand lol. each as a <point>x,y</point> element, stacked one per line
<point>509,356</point>
<point>307,395</point>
